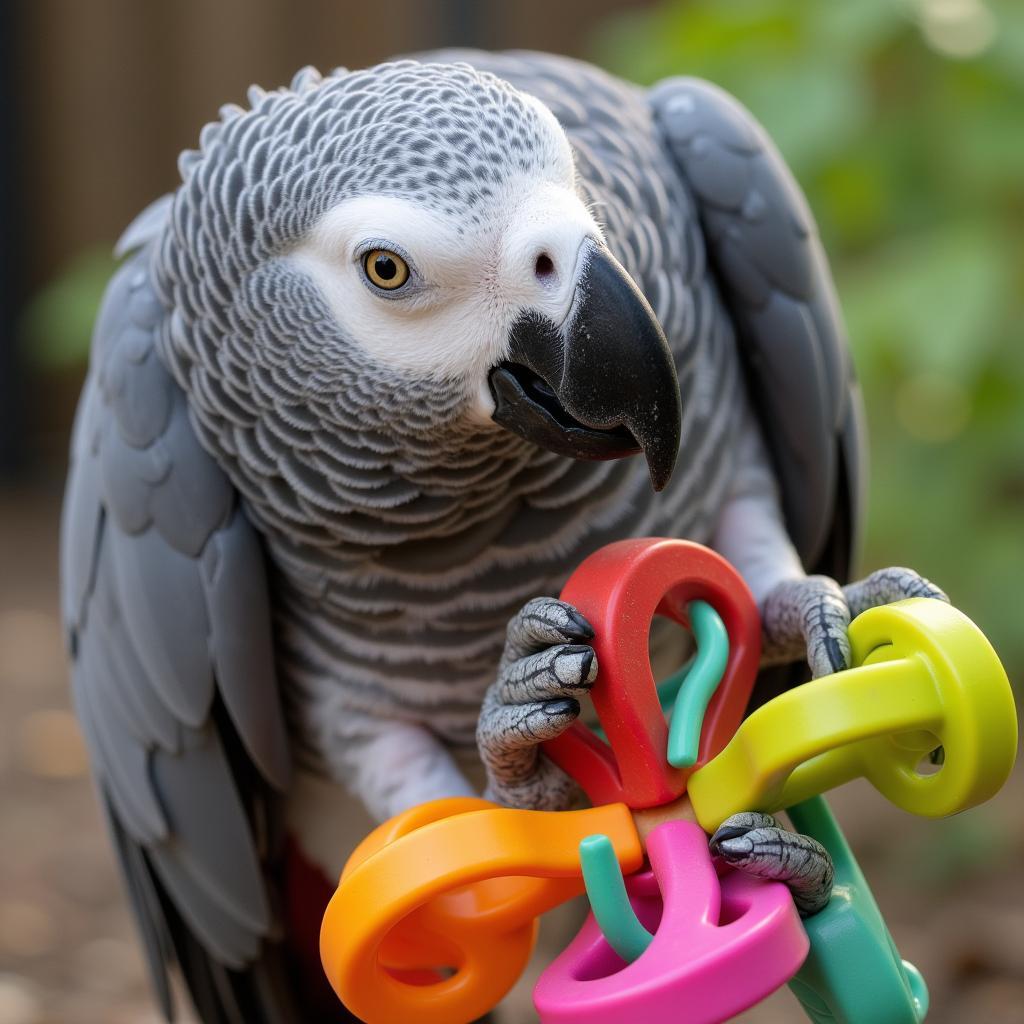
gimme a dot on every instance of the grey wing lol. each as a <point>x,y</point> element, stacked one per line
<point>770,267</point>
<point>166,609</point>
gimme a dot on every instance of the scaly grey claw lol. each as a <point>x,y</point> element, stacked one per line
<point>756,845</point>
<point>739,825</point>
<point>811,616</point>
<point>546,666</point>
<point>542,622</point>
<point>807,617</point>
<point>886,586</point>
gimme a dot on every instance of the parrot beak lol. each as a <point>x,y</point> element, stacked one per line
<point>602,385</point>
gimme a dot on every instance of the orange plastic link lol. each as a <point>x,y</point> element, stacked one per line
<point>454,886</point>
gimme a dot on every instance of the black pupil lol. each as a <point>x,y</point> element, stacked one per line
<point>385,267</point>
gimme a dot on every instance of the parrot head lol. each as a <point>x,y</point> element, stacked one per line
<point>408,248</point>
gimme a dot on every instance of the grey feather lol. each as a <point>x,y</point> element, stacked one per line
<point>171,636</point>
<point>118,759</point>
<point>775,278</point>
<point>178,778</point>
<point>236,596</point>
<point>153,547</point>
<point>81,526</point>
<point>146,901</point>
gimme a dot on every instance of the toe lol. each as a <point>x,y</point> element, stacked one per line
<point>887,585</point>
<point>809,614</point>
<point>799,862</point>
<point>565,670</point>
<point>512,727</point>
<point>543,622</point>
<point>738,825</point>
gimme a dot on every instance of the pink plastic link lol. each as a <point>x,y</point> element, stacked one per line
<point>720,945</point>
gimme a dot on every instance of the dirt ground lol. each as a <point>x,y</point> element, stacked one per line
<point>952,891</point>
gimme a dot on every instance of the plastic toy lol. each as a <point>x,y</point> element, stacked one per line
<point>853,971</point>
<point>458,884</point>
<point>720,945</point>
<point>620,589</point>
<point>923,675</point>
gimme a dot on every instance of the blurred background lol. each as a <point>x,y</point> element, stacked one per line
<point>903,122</point>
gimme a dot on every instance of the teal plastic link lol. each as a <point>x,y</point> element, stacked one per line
<point>609,901</point>
<point>602,874</point>
<point>668,688</point>
<point>853,973</point>
<point>702,678</point>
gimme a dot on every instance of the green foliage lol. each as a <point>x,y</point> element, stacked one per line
<point>905,127</point>
<point>57,323</point>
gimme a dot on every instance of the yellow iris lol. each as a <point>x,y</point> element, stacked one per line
<point>385,269</point>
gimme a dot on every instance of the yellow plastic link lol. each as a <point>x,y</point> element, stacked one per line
<point>923,674</point>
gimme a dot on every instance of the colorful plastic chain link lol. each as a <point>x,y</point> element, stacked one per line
<point>719,945</point>
<point>454,884</point>
<point>923,675</point>
<point>620,589</point>
<point>702,679</point>
<point>435,914</point>
<point>853,972</point>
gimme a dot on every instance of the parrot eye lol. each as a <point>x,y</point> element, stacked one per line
<point>385,269</point>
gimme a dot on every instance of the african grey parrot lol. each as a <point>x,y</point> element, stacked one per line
<point>361,397</point>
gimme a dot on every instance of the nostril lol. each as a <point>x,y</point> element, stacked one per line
<point>545,266</point>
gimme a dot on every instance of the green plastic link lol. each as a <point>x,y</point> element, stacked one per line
<point>606,890</point>
<point>853,972</point>
<point>701,680</point>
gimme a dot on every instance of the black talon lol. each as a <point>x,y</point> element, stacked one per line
<point>586,664</point>
<point>561,706</point>
<point>582,629</point>
<point>836,657</point>
<point>723,834</point>
<point>569,649</point>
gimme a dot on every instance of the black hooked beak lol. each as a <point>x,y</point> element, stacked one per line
<point>601,386</point>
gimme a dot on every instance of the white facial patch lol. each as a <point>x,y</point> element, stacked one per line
<point>465,289</point>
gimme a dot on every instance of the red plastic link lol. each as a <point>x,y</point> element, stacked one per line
<point>620,589</point>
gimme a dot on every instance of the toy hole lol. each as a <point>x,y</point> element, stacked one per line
<point>422,976</point>
<point>920,741</point>
<point>883,651</point>
<point>415,958</point>
<point>732,909</point>
<point>603,961</point>
<point>931,763</point>
<point>670,647</point>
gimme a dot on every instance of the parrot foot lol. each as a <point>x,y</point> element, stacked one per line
<point>546,665</point>
<point>754,843</point>
<point>809,617</point>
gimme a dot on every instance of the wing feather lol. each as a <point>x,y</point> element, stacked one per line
<point>170,635</point>
<point>764,249</point>
<point>168,617</point>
